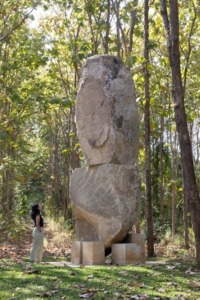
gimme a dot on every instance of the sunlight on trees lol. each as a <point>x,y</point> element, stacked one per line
<point>43,46</point>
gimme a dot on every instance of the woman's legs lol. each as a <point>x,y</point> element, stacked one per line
<point>37,246</point>
<point>40,248</point>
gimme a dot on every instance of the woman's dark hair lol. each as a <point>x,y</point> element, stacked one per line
<point>35,210</point>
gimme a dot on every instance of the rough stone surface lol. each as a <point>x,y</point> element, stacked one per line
<point>123,254</point>
<point>137,238</point>
<point>106,112</point>
<point>105,202</point>
<point>87,253</point>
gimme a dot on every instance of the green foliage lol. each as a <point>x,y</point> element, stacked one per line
<point>40,63</point>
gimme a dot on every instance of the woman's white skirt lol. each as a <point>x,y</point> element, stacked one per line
<point>37,246</point>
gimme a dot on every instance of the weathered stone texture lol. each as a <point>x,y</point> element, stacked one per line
<point>104,201</point>
<point>88,253</point>
<point>123,254</point>
<point>105,194</point>
<point>106,112</point>
<point>137,238</point>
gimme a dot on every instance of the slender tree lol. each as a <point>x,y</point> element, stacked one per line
<point>171,24</point>
<point>150,239</point>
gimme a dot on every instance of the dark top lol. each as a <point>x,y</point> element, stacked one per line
<point>41,220</point>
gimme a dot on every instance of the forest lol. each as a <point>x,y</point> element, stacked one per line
<point>43,47</point>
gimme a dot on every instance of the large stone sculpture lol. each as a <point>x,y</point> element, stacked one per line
<point>105,193</point>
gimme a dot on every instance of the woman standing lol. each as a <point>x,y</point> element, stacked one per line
<point>38,235</point>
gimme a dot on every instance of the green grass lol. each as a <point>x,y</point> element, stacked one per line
<point>156,281</point>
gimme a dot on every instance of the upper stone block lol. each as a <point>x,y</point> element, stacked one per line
<point>106,112</point>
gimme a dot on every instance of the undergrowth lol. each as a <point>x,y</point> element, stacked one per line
<point>58,237</point>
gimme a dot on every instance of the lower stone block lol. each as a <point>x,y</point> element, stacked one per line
<point>76,252</point>
<point>124,254</point>
<point>88,253</point>
<point>137,238</point>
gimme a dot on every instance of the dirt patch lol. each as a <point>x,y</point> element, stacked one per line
<point>17,247</point>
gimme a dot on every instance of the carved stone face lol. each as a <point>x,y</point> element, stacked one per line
<point>106,112</point>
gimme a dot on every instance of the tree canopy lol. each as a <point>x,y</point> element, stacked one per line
<point>43,46</point>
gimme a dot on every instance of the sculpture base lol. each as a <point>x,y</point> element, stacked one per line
<point>88,253</point>
<point>137,238</point>
<point>124,254</point>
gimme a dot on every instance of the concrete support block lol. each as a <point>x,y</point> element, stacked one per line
<point>88,253</point>
<point>76,253</point>
<point>123,254</point>
<point>137,238</point>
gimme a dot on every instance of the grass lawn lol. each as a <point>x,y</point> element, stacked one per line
<point>153,280</point>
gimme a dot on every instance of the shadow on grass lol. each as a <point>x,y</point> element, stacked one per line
<point>156,280</point>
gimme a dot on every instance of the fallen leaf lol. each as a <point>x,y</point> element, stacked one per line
<point>54,291</point>
<point>91,290</point>
<point>161,290</point>
<point>143,296</point>
<point>188,271</point>
<point>137,284</point>
<point>191,271</point>
<point>140,297</point>
<point>47,294</point>
<point>87,295</point>
<point>105,292</point>
<point>79,286</point>
<point>173,283</point>
<point>28,267</point>
<point>170,267</point>
<point>33,272</point>
<point>124,273</point>
<point>194,284</point>
<point>41,287</point>
<point>180,297</point>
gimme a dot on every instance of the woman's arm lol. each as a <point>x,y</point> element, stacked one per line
<point>38,223</point>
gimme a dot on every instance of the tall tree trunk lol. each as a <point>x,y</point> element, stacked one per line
<point>94,41</point>
<point>173,193</point>
<point>174,171</point>
<point>197,148</point>
<point>150,239</point>
<point>56,173</point>
<point>116,5</point>
<point>106,39</point>
<point>132,25</point>
<point>187,60</point>
<point>161,166</point>
<point>190,186</point>
<point>185,222</point>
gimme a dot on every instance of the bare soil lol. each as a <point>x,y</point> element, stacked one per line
<point>18,246</point>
